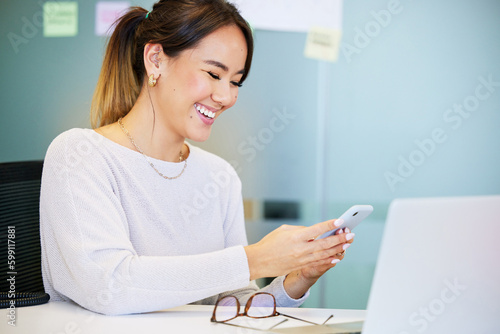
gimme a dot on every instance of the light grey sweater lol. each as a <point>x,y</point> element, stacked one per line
<point>117,238</point>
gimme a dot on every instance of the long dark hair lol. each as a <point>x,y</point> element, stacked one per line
<point>177,25</point>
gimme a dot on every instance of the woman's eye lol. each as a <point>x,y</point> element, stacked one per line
<point>215,76</point>
<point>237,84</point>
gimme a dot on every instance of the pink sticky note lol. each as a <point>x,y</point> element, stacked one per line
<point>106,14</point>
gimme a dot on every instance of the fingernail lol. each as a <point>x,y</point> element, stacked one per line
<point>346,246</point>
<point>335,260</point>
<point>340,231</point>
<point>347,230</point>
<point>349,236</point>
<point>339,222</point>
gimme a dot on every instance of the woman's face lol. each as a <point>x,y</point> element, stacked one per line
<point>198,85</point>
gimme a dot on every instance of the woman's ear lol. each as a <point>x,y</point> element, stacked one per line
<point>153,54</point>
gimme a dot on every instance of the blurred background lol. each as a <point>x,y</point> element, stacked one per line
<point>411,108</point>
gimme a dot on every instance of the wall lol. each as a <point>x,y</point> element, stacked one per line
<point>394,109</point>
<point>47,83</point>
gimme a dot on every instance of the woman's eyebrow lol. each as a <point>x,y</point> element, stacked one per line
<point>221,66</point>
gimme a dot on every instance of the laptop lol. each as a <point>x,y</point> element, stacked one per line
<point>438,269</point>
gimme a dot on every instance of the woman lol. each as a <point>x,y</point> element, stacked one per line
<point>134,218</point>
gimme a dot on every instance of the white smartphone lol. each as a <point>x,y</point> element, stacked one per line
<point>352,217</point>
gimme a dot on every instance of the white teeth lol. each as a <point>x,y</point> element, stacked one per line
<point>204,111</point>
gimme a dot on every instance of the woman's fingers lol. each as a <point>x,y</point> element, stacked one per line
<point>314,231</point>
<point>325,253</point>
<point>349,231</point>
<point>333,241</point>
<point>341,241</point>
<point>326,262</point>
<point>328,254</point>
<point>287,248</point>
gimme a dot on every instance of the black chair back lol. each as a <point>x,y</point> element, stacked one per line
<point>20,252</point>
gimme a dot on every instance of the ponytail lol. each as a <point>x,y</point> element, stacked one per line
<point>118,85</point>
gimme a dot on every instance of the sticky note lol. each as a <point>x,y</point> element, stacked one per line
<point>249,209</point>
<point>60,18</point>
<point>323,43</point>
<point>106,13</point>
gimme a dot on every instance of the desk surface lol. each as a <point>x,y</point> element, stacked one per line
<point>68,318</point>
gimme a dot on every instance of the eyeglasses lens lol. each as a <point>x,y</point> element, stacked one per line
<point>227,308</point>
<point>262,306</point>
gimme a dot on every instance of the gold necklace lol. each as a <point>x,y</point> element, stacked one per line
<point>181,155</point>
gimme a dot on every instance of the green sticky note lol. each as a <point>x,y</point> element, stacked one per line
<point>60,19</point>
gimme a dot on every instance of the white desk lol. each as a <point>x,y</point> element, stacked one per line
<point>68,318</point>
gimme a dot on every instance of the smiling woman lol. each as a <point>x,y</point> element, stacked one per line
<point>135,219</point>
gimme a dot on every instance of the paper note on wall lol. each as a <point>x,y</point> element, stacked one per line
<point>323,44</point>
<point>60,19</point>
<point>291,15</point>
<point>106,14</point>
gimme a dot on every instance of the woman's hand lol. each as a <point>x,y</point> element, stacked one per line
<point>292,248</point>
<point>315,272</point>
<point>298,282</point>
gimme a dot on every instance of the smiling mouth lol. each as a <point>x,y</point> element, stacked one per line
<point>206,113</point>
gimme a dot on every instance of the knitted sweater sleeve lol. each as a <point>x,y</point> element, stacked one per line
<point>87,255</point>
<point>235,235</point>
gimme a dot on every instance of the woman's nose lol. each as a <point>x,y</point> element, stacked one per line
<point>223,95</point>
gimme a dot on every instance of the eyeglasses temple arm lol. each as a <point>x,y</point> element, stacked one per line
<point>234,325</point>
<point>289,316</point>
<point>331,316</point>
<point>279,323</point>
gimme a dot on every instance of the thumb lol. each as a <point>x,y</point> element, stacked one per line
<point>318,229</point>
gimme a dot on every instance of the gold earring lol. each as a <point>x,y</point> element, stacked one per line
<point>152,80</point>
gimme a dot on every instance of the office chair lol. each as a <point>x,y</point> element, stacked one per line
<point>20,251</point>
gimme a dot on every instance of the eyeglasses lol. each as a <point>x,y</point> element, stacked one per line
<point>260,305</point>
